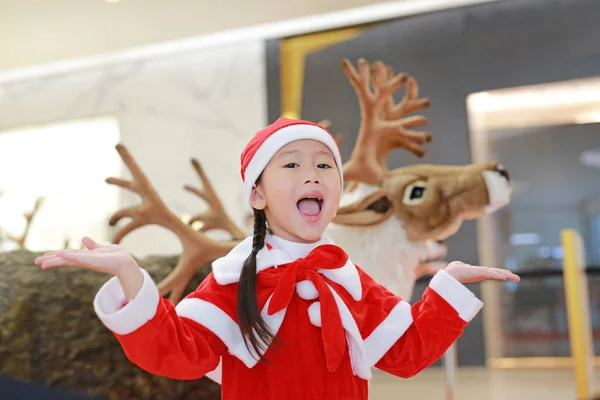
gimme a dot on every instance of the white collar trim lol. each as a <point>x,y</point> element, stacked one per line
<point>227,269</point>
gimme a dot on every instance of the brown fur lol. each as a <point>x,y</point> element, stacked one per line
<point>452,194</point>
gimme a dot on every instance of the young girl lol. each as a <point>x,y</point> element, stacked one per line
<point>285,315</point>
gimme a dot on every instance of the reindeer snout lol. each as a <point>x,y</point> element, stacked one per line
<point>502,171</point>
<point>498,186</point>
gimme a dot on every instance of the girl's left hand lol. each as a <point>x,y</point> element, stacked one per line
<point>465,273</point>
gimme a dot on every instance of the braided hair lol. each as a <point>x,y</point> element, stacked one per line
<point>253,327</point>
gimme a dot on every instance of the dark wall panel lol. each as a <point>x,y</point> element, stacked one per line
<point>273,80</point>
<point>453,53</point>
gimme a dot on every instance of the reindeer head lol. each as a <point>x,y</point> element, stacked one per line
<point>431,201</point>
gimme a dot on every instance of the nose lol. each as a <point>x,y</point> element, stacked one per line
<point>502,171</point>
<point>311,176</point>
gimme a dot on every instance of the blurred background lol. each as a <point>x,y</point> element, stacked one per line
<point>517,81</point>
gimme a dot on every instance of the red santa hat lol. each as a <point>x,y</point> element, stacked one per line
<point>266,142</point>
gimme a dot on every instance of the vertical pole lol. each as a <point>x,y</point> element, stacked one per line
<point>578,312</point>
<point>449,362</point>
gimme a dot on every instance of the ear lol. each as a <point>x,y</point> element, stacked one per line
<point>257,198</point>
<point>367,211</point>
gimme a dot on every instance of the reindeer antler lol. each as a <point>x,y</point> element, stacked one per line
<point>384,126</point>
<point>381,75</point>
<point>326,123</point>
<point>198,249</point>
<point>29,216</point>
<point>216,217</point>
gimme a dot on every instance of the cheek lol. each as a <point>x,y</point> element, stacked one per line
<point>335,187</point>
<point>280,195</point>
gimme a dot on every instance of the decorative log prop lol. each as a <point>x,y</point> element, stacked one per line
<point>49,334</point>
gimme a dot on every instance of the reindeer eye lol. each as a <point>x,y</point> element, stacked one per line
<point>413,194</point>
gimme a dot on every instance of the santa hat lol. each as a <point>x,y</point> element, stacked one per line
<point>266,142</point>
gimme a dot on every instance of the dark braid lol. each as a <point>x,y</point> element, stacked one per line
<point>249,319</point>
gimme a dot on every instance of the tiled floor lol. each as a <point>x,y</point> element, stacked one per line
<point>479,384</point>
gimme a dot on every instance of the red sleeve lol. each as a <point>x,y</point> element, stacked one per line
<point>155,336</point>
<point>402,339</point>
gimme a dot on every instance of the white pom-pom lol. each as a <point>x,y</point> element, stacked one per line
<point>314,313</point>
<point>307,290</point>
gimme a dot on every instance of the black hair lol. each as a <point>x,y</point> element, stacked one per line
<point>255,331</point>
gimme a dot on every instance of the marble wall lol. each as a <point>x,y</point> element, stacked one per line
<point>204,104</point>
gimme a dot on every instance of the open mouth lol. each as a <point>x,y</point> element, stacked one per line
<point>310,205</point>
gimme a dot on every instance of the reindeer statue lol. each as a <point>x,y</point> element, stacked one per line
<point>391,222</point>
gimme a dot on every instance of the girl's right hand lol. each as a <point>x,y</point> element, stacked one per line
<point>111,259</point>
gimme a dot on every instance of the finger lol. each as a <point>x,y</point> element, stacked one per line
<point>98,261</point>
<point>504,275</point>
<point>508,274</point>
<point>57,252</point>
<point>89,243</point>
<point>43,257</point>
<point>83,257</point>
<point>497,275</point>
<point>71,252</point>
<point>49,254</point>
<point>511,276</point>
<point>457,264</point>
<point>57,262</point>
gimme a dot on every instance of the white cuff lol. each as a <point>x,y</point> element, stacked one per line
<point>456,294</point>
<point>135,314</point>
<point>388,332</point>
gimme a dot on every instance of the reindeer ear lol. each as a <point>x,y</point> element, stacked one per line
<point>370,210</point>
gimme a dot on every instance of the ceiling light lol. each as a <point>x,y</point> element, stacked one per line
<point>577,91</point>
<point>479,100</point>
<point>587,118</point>
<point>112,1</point>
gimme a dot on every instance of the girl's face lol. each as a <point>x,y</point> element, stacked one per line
<point>299,191</point>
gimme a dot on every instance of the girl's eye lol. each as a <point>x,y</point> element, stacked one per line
<point>324,166</point>
<point>291,165</point>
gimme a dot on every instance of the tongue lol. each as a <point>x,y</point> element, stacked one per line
<point>309,207</point>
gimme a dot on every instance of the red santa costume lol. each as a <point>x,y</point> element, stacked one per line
<point>332,322</point>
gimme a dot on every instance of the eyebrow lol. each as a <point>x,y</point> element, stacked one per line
<point>285,153</point>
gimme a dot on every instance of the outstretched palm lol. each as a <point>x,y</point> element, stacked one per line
<point>466,273</point>
<point>103,258</point>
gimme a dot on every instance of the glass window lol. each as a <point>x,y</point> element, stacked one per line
<point>63,166</point>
